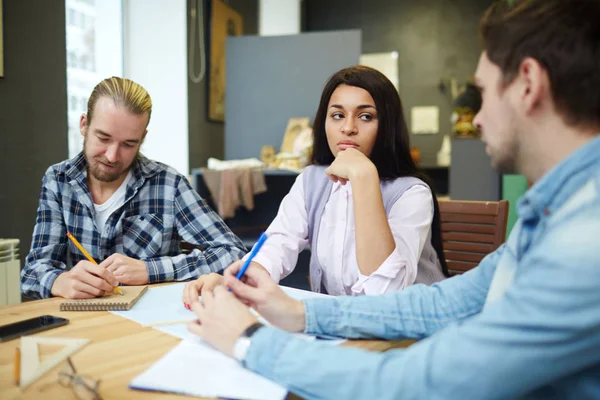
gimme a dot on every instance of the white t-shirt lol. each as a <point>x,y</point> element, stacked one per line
<point>104,211</point>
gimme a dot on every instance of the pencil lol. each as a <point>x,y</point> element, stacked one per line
<point>17,366</point>
<point>173,322</point>
<point>87,255</point>
<point>261,240</point>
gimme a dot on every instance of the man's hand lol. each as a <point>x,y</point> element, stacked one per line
<point>84,281</point>
<point>221,319</point>
<point>193,289</point>
<point>257,289</point>
<point>126,270</point>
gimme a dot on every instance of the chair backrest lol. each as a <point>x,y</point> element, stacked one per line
<point>471,230</point>
<point>186,247</point>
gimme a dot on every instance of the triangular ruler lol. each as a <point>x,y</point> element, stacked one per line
<point>31,367</point>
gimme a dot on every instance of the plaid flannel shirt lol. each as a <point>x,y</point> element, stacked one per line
<point>160,210</point>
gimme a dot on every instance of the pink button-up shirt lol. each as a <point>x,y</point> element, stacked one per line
<point>409,219</point>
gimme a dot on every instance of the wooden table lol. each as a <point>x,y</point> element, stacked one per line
<point>119,350</point>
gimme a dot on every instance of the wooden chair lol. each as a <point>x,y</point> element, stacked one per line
<point>186,247</point>
<point>247,234</point>
<point>471,230</point>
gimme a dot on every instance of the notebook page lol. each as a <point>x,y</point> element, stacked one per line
<point>199,370</point>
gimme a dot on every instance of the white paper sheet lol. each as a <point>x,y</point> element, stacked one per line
<point>198,370</point>
<point>159,304</point>
<point>164,303</point>
<point>194,367</point>
<point>425,120</point>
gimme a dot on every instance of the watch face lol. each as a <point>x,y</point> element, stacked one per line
<point>240,348</point>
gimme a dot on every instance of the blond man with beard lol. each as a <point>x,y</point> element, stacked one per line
<point>130,213</point>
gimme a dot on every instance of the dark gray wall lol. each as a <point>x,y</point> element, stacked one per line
<point>274,78</point>
<point>206,138</point>
<point>434,39</point>
<point>33,109</point>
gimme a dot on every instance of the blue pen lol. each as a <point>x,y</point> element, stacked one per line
<point>257,246</point>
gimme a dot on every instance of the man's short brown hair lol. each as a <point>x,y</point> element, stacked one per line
<point>563,36</point>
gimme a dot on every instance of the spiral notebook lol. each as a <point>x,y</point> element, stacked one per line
<point>131,294</point>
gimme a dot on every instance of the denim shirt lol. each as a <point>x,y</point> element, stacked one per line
<point>524,324</point>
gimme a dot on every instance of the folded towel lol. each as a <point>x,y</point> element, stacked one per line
<point>234,187</point>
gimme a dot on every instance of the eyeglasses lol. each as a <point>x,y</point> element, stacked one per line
<point>85,387</point>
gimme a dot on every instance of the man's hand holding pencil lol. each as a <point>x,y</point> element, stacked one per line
<point>85,280</point>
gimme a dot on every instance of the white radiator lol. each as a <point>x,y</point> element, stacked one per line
<point>10,270</point>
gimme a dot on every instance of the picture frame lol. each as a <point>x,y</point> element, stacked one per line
<point>225,22</point>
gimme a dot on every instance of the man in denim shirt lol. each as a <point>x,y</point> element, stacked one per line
<point>526,322</point>
<point>128,212</point>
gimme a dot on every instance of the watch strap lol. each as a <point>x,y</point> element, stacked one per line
<point>251,330</point>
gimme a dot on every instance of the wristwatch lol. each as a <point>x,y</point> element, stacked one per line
<point>242,344</point>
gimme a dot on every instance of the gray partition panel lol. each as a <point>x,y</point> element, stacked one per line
<point>271,79</point>
<point>471,174</point>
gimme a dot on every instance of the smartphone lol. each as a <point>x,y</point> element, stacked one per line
<point>29,326</point>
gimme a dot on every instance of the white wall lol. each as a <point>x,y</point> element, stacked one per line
<point>279,17</point>
<point>156,58</point>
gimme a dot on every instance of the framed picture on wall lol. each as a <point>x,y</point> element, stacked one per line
<point>225,21</point>
<point>1,44</point>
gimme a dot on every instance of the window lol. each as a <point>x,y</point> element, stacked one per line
<point>73,102</point>
<point>83,61</point>
<point>94,51</point>
<point>71,16</point>
<point>72,60</point>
